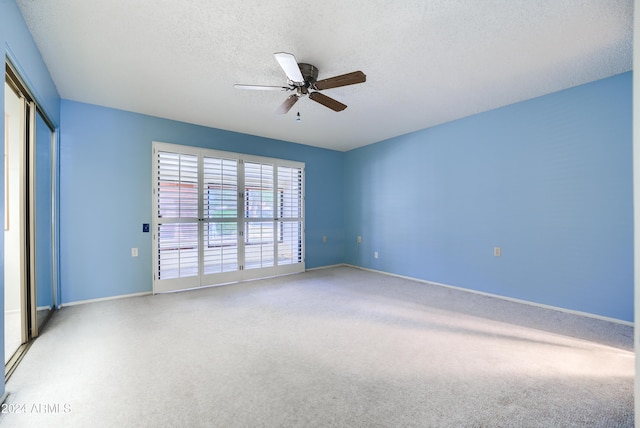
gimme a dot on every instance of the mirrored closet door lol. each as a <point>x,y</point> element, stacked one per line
<point>29,206</point>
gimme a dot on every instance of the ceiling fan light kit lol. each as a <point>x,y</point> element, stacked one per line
<point>302,79</point>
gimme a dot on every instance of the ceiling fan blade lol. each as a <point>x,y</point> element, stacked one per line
<point>262,88</point>
<point>287,104</point>
<point>290,66</point>
<point>327,101</point>
<point>342,80</point>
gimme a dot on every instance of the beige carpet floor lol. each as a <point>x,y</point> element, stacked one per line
<point>337,347</point>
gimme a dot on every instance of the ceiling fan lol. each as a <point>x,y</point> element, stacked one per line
<point>302,80</point>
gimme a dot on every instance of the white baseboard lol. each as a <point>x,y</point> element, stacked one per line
<point>497,296</point>
<point>104,299</point>
<point>468,290</point>
<point>327,267</point>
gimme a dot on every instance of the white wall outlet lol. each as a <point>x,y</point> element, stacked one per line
<point>359,239</point>
<point>324,239</point>
<point>497,251</point>
<point>375,254</point>
<point>134,252</point>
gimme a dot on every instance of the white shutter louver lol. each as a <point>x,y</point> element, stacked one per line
<point>177,224</point>
<point>290,229</point>
<point>259,215</point>
<point>220,206</point>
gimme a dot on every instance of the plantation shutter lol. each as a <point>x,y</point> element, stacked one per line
<point>259,233</point>
<point>290,213</point>
<point>220,202</point>
<point>221,217</point>
<point>177,215</point>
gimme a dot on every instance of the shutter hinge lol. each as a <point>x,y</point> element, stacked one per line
<point>241,267</point>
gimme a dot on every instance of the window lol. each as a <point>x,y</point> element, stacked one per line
<point>221,217</point>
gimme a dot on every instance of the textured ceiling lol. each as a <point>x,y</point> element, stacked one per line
<point>427,62</point>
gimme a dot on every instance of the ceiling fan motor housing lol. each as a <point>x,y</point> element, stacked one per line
<point>309,72</point>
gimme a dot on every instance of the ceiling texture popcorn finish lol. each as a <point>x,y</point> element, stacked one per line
<point>427,62</point>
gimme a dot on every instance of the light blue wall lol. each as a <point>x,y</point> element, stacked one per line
<point>548,180</point>
<point>21,49</point>
<point>105,195</point>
